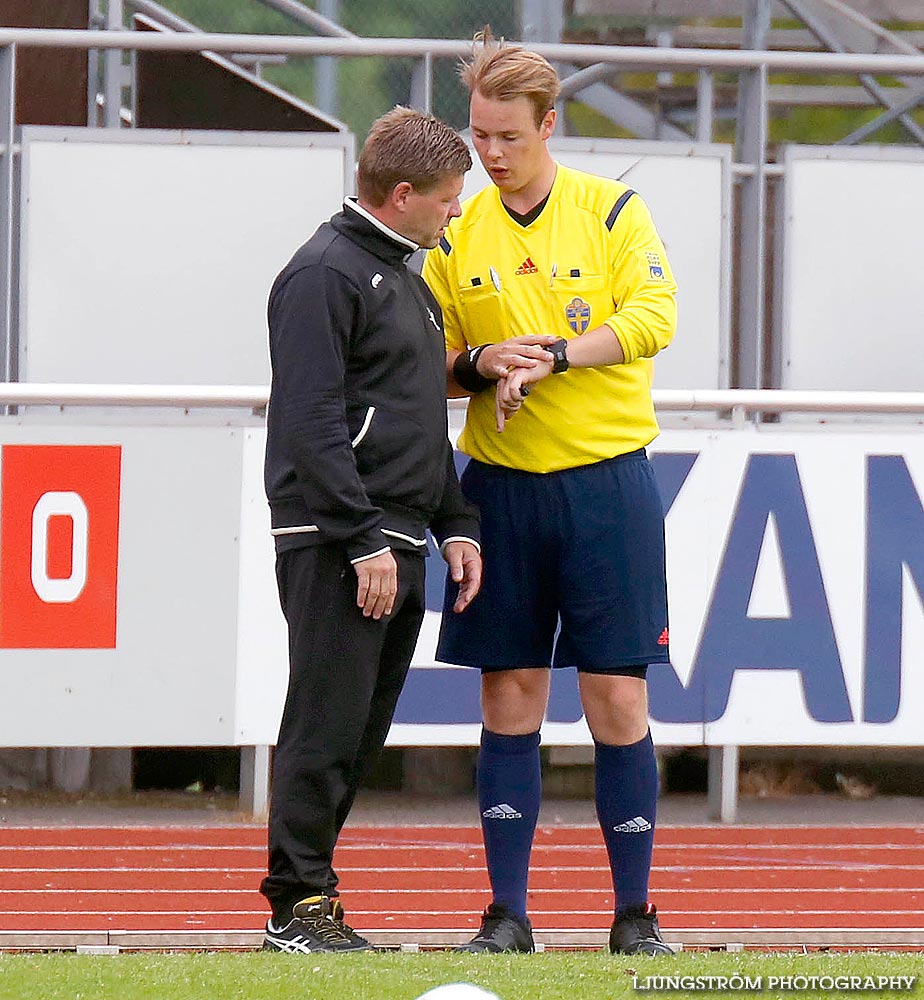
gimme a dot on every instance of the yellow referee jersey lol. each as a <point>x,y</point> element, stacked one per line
<point>591,257</point>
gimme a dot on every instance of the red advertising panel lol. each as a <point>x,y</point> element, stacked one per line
<point>59,546</point>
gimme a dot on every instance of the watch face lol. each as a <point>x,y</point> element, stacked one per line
<point>559,351</point>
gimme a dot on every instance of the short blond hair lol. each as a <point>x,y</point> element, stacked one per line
<point>407,145</point>
<point>503,72</point>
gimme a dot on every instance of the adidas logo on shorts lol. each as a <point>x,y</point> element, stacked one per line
<point>502,811</point>
<point>637,825</point>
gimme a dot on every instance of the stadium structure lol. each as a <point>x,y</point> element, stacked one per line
<point>154,175</point>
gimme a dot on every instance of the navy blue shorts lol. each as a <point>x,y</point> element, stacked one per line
<point>574,570</point>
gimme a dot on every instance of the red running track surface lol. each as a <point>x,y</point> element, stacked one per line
<point>735,882</point>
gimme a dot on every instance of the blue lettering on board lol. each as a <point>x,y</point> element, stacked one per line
<point>733,641</point>
<point>894,539</point>
<point>440,696</point>
<point>671,470</point>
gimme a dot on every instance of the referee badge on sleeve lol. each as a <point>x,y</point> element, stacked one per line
<point>655,267</point>
<point>577,312</point>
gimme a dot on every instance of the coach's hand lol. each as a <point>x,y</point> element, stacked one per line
<point>465,569</point>
<point>378,585</point>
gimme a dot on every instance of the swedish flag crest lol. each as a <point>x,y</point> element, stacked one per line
<point>577,312</point>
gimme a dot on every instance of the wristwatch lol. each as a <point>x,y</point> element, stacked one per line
<point>559,350</point>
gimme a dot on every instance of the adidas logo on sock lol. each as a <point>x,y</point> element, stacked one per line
<point>637,825</point>
<point>502,811</point>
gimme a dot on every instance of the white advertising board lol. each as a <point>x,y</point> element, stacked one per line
<point>147,256</point>
<point>796,575</point>
<point>853,242</point>
<point>145,644</point>
<point>688,191</point>
<point>138,603</point>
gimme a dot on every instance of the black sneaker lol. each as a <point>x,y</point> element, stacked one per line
<point>635,932</point>
<point>501,930</point>
<point>316,925</point>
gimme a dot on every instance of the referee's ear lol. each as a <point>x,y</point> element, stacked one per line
<point>547,125</point>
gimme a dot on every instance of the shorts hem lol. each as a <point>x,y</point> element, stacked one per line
<point>493,667</point>
<point>615,667</point>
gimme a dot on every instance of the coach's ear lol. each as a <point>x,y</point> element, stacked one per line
<point>399,195</point>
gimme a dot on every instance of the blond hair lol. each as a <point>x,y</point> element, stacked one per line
<point>503,72</point>
<point>407,145</point>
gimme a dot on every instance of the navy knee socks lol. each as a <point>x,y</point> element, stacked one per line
<point>509,793</point>
<point>627,796</point>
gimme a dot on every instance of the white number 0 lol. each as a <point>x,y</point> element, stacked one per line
<point>67,590</point>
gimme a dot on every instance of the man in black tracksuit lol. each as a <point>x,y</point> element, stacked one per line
<point>358,466</point>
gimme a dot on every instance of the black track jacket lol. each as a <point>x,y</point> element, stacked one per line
<point>357,450</point>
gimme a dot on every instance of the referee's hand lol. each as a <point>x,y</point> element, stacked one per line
<point>512,390</point>
<point>465,569</point>
<point>377,585</point>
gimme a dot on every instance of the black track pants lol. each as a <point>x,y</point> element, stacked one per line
<point>345,675</point>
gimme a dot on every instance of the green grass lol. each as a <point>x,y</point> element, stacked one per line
<point>393,976</point>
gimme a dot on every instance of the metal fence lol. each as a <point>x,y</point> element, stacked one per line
<point>752,169</point>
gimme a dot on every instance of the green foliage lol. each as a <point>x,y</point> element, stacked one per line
<point>829,125</point>
<point>394,976</point>
<point>240,17</point>
<point>584,120</point>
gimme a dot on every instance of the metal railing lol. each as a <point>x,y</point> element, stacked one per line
<point>254,397</point>
<point>624,57</point>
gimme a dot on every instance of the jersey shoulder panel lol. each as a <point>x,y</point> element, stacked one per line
<point>483,205</point>
<point>480,210</point>
<point>592,193</point>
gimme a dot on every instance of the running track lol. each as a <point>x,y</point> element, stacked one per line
<point>195,887</point>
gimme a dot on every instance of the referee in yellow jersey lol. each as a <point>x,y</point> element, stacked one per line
<point>554,285</point>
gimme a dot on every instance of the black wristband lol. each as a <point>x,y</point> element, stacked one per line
<point>465,371</point>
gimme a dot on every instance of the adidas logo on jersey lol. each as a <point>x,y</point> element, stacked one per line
<point>527,267</point>
<point>637,825</point>
<point>502,811</point>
